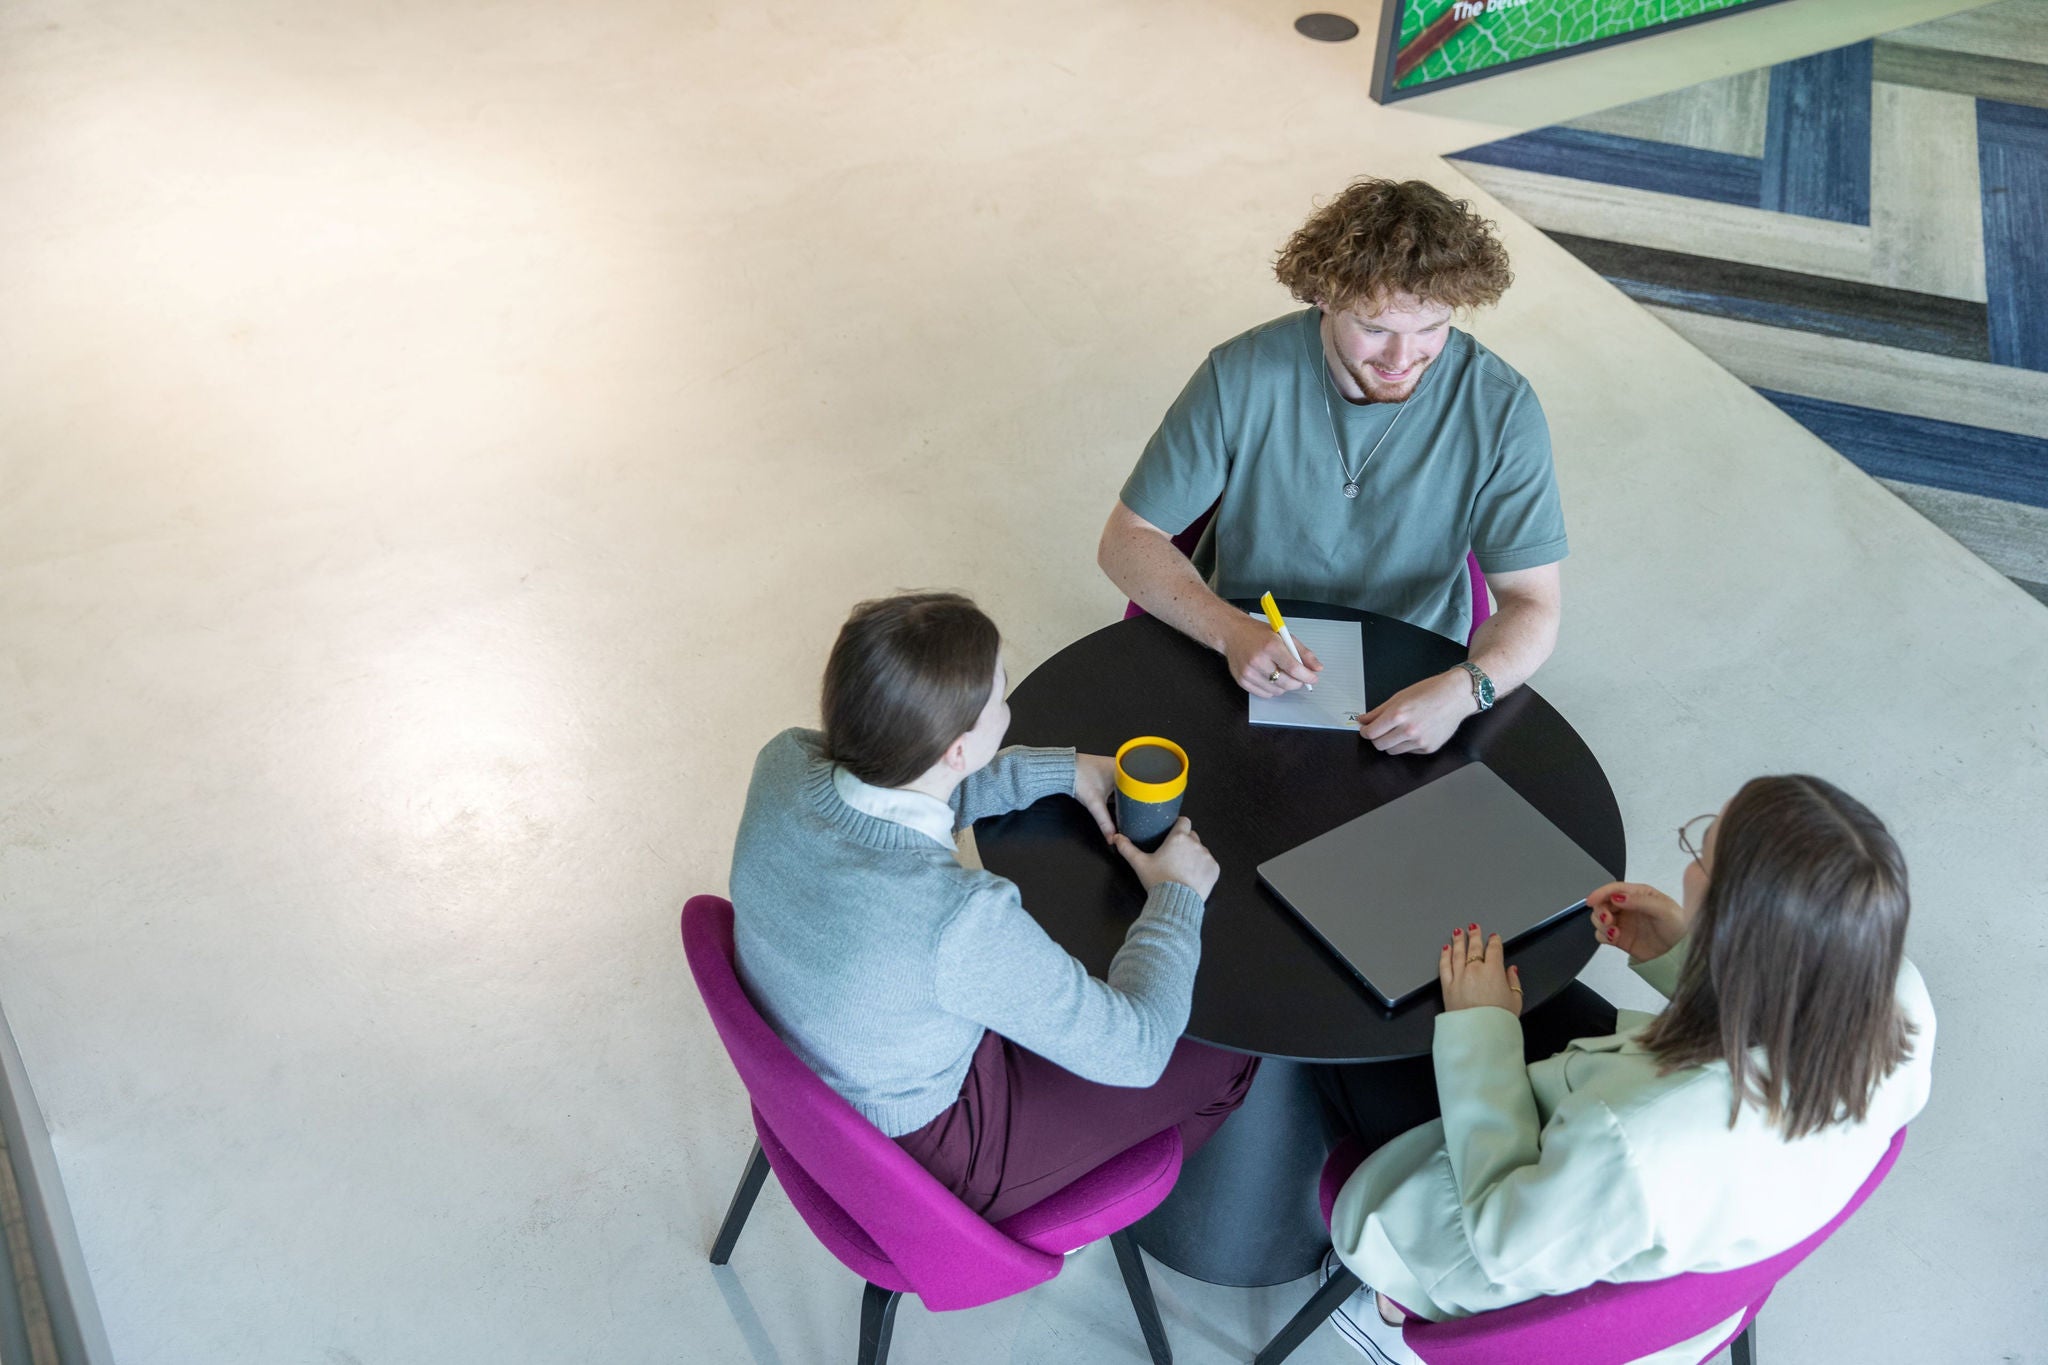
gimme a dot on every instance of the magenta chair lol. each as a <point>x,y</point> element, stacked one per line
<point>1185,542</point>
<point>1602,1324</point>
<point>884,1216</point>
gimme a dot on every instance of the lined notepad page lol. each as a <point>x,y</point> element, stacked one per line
<point>1340,691</point>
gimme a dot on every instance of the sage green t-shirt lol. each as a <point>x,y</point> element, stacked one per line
<point>1465,464</point>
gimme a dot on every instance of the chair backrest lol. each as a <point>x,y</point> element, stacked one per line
<point>887,1218</point>
<point>1482,605</point>
<point>1615,1323</point>
<point>1185,542</point>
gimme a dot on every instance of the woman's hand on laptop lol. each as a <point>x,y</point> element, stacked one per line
<point>1179,858</point>
<point>1473,970</point>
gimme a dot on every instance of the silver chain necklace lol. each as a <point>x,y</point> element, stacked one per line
<point>1322,369</point>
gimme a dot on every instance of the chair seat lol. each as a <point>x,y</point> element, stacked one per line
<point>1605,1320</point>
<point>1107,1199</point>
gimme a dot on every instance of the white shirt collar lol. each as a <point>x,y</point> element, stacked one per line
<point>926,814</point>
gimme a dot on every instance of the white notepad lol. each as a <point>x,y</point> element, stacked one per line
<point>1339,697</point>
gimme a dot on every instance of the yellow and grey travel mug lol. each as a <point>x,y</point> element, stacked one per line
<point>1151,777</point>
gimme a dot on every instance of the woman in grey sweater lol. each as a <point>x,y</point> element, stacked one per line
<point>920,989</point>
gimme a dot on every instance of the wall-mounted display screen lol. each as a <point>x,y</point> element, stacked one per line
<point>1428,44</point>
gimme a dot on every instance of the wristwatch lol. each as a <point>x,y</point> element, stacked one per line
<point>1482,686</point>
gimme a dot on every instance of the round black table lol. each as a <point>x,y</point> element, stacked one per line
<point>1245,1209</point>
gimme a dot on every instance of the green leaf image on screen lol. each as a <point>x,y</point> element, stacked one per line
<point>1469,37</point>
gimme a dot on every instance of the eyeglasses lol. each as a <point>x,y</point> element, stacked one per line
<point>1686,836</point>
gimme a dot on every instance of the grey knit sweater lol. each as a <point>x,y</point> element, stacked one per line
<point>882,961</point>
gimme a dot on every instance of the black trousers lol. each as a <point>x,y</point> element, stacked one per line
<point>1379,1101</point>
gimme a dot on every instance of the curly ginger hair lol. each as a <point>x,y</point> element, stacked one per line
<point>1382,238</point>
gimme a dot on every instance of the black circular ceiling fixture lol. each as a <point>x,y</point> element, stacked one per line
<point>1326,28</point>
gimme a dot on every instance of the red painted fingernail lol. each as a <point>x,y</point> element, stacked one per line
<point>1619,897</point>
<point>1473,928</point>
<point>1610,933</point>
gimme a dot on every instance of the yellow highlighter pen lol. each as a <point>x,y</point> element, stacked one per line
<point>1280,628</point>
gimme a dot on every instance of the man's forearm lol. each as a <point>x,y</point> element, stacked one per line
<point>1513,642</point>
<point>1146,566</point>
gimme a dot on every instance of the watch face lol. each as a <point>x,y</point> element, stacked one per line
<point>1482,686</point>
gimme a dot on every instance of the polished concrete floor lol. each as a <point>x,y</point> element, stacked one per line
<point>436,446</point>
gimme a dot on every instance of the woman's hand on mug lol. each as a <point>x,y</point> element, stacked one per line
<point>1095,788</point>
<point>1180,857</point>
<point>1473,971</point>
<point>1640,920</point>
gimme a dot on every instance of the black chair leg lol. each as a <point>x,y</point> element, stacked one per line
<point>1743,1352</point>
<point>742,1205</point>
<point>877,1321</point>
<point>1313,1314</point>
<point>1131,1262</point>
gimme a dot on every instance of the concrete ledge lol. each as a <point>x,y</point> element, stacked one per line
<point>68,1317</point>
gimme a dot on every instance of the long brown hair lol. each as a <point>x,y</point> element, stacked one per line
<point>1795,952</point>
<point>908,676</point>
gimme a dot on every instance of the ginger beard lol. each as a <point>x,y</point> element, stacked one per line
<point>1379,356</point>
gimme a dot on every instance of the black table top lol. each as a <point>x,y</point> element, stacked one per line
<point>1266,985</point>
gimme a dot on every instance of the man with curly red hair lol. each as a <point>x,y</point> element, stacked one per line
<point>1353,453</point>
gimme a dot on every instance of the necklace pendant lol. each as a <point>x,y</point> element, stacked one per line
<point>1351,489</point>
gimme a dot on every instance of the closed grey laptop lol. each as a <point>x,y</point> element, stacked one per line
<point>1385,890</point>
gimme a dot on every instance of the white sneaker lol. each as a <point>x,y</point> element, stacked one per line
<point>1358,1321</point>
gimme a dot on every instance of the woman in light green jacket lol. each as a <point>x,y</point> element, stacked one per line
<point>1715,1134</point>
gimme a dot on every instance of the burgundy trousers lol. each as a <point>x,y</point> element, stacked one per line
<point>1024,1129</point>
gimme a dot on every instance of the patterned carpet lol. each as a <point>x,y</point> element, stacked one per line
<point>1862,235</point>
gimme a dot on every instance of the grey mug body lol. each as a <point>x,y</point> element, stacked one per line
<point>1145,823</point>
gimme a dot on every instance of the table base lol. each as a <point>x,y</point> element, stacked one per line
<point>1245,1210</point>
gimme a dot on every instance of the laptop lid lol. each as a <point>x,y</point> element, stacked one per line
<point>1385,890</point>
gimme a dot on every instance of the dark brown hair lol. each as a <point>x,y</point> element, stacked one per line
<point>1380,238</point>
<point>1795,951</point>
<point>908,676</point>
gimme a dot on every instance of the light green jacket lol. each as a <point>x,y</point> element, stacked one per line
<point>1590,1166</point>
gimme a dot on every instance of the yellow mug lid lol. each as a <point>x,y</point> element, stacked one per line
<point>1151,791</point>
